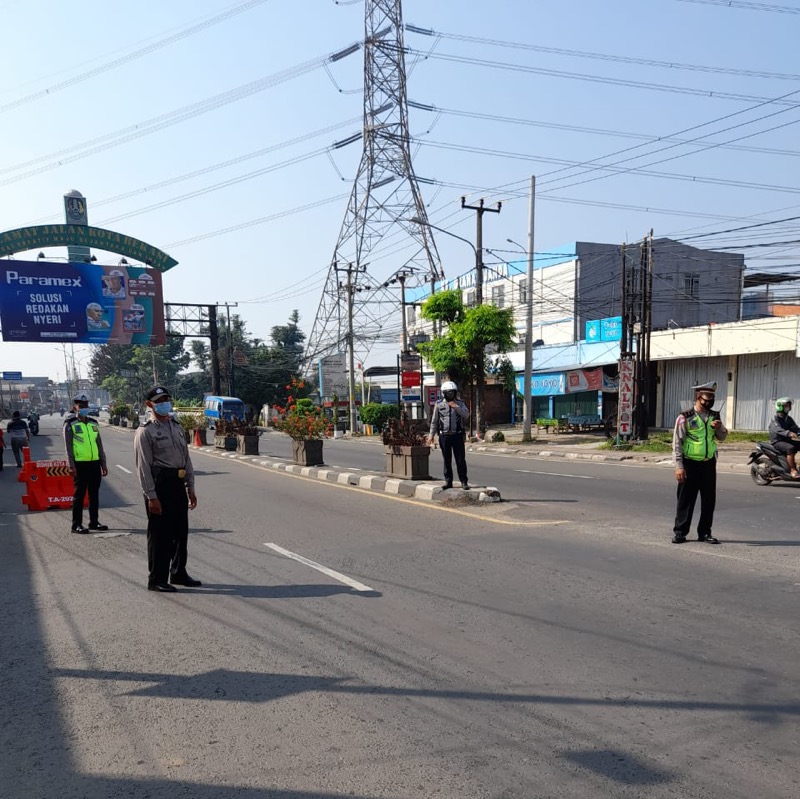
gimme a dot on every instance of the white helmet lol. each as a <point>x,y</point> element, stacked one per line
<point>449,385</point>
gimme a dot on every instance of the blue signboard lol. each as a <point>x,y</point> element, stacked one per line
<point>12,375</point>
<point>544,385</point>
<point>609,329</point>
<point>47,302</point>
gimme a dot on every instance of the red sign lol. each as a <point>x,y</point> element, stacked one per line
<point>410,379</point>
<point>584,380</point>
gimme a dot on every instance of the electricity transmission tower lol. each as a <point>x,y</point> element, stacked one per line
<point>377,237</point>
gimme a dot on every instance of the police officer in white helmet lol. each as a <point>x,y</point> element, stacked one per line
<point>448,420</point>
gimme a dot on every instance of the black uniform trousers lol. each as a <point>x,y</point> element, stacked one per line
<point>452,445</point>
<point>701,478</point>
<point>168,534</point>
<point>87,477</point>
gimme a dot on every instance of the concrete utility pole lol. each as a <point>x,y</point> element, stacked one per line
<point>350,289</point>
<point>527,379</point>
<point>480,210</point>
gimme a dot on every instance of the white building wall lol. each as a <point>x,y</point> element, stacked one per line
<point>761,379</point>
<point>680,376</point>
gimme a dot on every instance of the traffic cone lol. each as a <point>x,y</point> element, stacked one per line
<point>197,441</point>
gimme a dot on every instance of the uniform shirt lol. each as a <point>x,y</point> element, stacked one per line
<point>160,443</point>
<point>68,436</point>
<point>445,419</point>
<point>18,430</point>
<point>679,434</point>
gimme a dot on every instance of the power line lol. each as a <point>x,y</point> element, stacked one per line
<point>746,5</point>
<point>140,53</point>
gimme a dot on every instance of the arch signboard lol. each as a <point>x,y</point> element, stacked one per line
<point>37,236</point>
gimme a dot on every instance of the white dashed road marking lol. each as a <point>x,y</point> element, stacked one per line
<point>127,471</point>
<point>342,578</point>
<point>556,474</point>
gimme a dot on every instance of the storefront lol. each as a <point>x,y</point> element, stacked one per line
<point>575,392</point>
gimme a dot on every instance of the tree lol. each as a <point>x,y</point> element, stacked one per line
<point>461,351</point>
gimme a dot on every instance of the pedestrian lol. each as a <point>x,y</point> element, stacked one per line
<point>694,443</point>
<point>447,419</point>
<point>167,480</point>
<point>17,429</point>
<point>87,463</point>
<point>2,448</point>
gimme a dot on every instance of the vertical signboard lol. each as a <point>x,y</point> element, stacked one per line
<point>81,303</point>
<point>333,376</point>
<point>625,407</point>
<point>76,213</point>
<point>411,377</point>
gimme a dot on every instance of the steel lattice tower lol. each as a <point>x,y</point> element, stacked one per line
<point>377,237</point>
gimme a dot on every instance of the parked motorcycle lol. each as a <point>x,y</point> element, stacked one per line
<point>768,465</point>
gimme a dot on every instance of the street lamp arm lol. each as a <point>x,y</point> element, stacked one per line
<point>417,221</point>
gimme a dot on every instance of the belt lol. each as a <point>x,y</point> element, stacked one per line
<point>169,473</point>
<point>456,433</point>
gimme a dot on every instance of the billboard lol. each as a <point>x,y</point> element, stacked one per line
<point>81,303</point>
<point>608,329</point>
<point>333,376</point>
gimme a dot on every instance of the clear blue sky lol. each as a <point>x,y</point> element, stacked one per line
<point>275,266</point>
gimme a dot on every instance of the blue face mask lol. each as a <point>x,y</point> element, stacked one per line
<point>162,408</point>
<point>83,411</point>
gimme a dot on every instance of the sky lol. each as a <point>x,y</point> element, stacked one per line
<point>90,96</point>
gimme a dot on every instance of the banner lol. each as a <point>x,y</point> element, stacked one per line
<point>544,384</point>
<point>81,303</point>
<point>584,380</point>
<point>626,396</point>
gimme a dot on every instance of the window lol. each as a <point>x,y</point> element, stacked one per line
<point>499,296</point>
<point>470,299</point>
<point>691,285</point>
<point>523,292</point>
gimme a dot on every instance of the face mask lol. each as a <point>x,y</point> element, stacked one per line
<point>162,408</point>
<point>707,403</point>
<point>83,411</point>
<point>449,395</point>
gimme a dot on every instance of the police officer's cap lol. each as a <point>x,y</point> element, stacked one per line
<point>157,392</point>
<point>711,387</point>
<point>81,398</point>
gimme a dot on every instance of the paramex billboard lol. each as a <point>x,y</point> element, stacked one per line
<point>44,301</point>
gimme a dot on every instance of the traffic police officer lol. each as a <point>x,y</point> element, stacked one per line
<point>167,480</point>
<point>447,419</point>
<point>87,463</point>
<point>694,443</point>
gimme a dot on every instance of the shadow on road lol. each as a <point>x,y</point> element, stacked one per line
<point>282,591</point>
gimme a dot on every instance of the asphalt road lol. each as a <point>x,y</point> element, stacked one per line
<point>554,645</point>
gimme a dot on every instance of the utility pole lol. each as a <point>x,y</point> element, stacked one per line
<point>480,210</point>
<point>480,378</point>
<point>527,379</point>
<point>213,335</point>
<point>350,289</point>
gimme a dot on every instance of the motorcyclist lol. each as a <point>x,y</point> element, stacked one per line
<point>784,434</point>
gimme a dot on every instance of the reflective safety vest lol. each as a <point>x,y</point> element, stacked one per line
<point>84,441</point>
<point>700,443</point>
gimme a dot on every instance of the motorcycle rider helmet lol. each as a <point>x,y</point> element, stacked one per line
<point>781,403</point>
<point>449,385</point>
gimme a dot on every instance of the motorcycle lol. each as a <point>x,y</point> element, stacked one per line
<point>767,465</point>
<point>33,425</point>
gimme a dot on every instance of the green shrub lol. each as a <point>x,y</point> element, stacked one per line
<point>378,413</point>
<point>498,436</point>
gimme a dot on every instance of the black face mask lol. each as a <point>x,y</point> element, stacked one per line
<point>449,395</point>
<point>707,403</point>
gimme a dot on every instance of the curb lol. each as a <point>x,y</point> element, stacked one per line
<point>412,489</point>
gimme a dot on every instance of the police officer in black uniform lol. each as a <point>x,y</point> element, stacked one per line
<point>167,479</point>
<point>448,419</point>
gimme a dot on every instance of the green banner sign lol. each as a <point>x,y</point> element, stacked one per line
<point>32,238</point>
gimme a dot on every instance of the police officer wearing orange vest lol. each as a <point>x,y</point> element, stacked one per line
<point>87,463</point>
<point>694,443</point>
<point>167,480</point>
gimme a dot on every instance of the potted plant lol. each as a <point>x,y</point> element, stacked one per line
<point>123,411</point>
<point>188,422</point>
<point>407,454</point>
<point>247,435</point>
<point>305,424</point>
<point>225,435</point>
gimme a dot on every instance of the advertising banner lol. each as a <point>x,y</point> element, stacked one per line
<point>584,380</point>
<point>544,385</point>
<point>333,377</point>
<point>608,329</point>
<point>44,301</point>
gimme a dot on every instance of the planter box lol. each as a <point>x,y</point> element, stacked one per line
<point>247,445</point>
<point>123,422</point>
<point>308,453</point>
<point>225,442</point>
<point>408,463</point>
